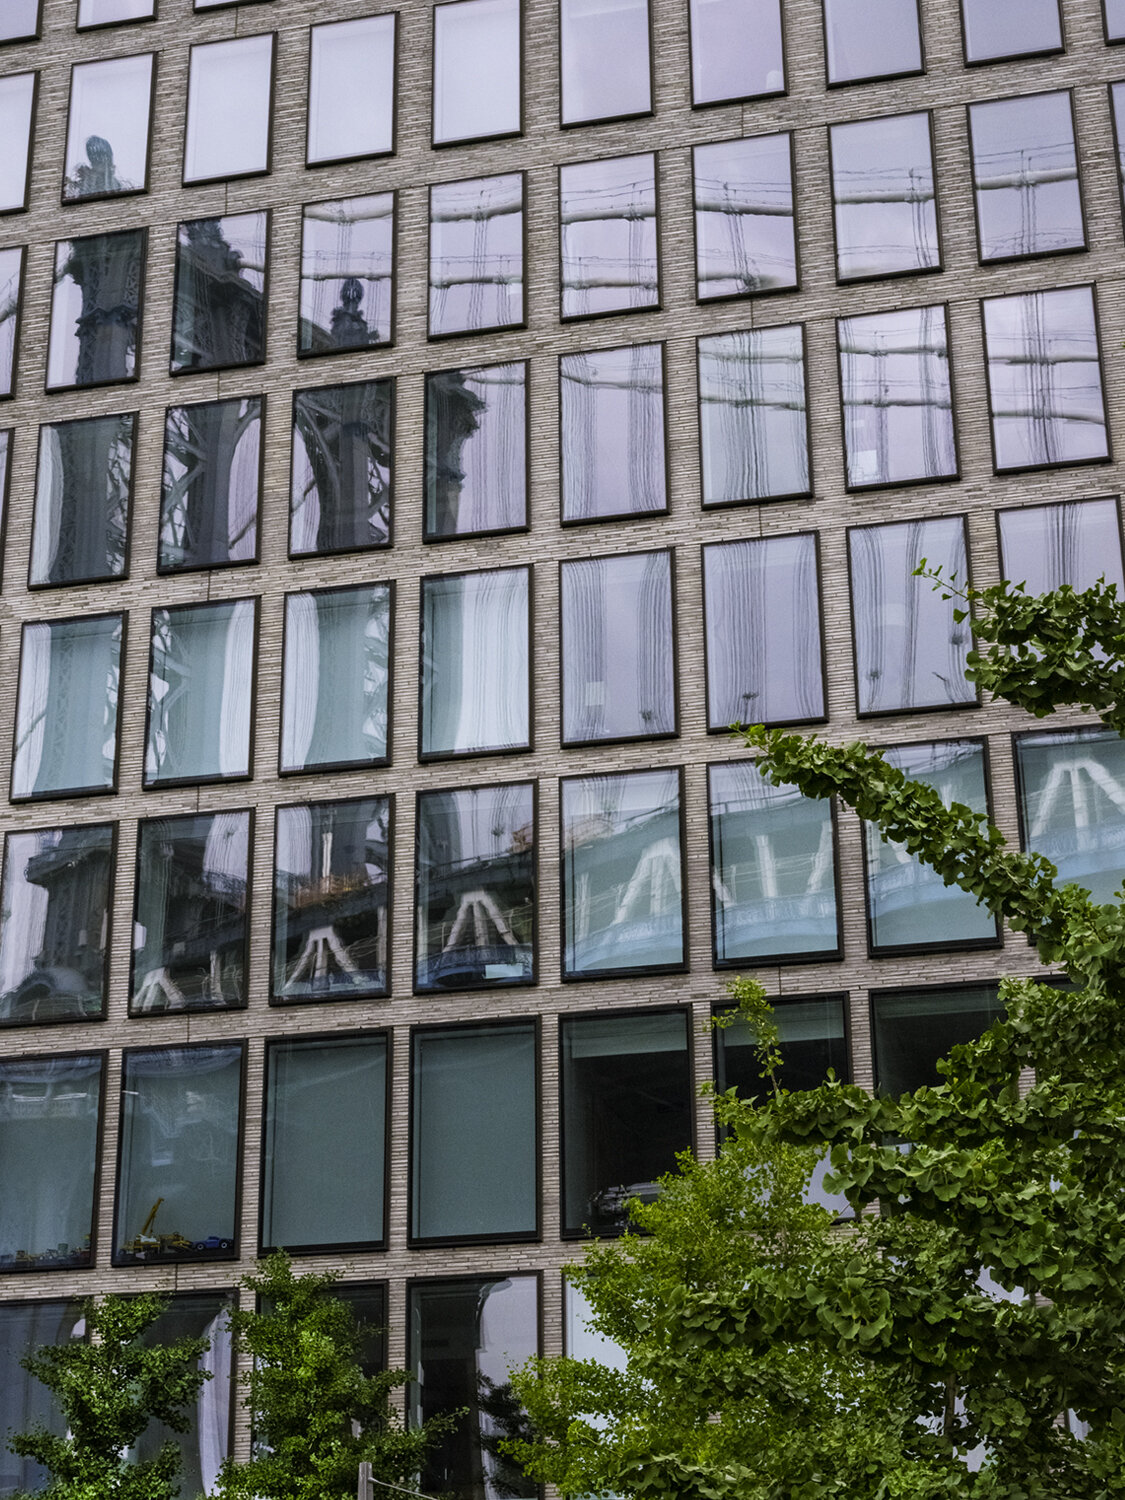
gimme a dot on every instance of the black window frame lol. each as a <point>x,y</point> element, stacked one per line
<point>174,370</point>
<point>796,285</point>
<point>390,382</point>
<point>1017,56</point>
<point>17,321</point>
<point>614,119</point>
<point>141,233</point>
<point>271,104</point>
<point>1000,511</point>
<point>740,98</point>
<point>165,569</point>
<point>130,500</point>
<point>626,516</point>
<point>923,987</point>
<point>32,119</point>
<point>129,21</point>
<point>846,83</point>
<point>473,140</point>
<point>334,161</point>
<point>435,538</point>
<point>657,305</point>
<point>392,301</point>
<point>721,1008</point>
<point>525,268</point>
<point>29,36</point>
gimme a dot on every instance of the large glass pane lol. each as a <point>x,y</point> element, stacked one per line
<point>613,453</point>
<point>212,480</point>
<point>475,684</point>
<point>108,127</point>
<point>627,1101</point>
<point>351,89</point>
<point>1010,28</point>
<point>736,50</point>
<point>1072,805</point>
<point>753,422</point>
<point>66,717</point>
<point>908,903</point>
<point>189,926</point>
<point>884,195</point>
<point>465,1335</point>
<point>913,1031</point>
<point>107,12</point>
<point>96,309</point>
<point>745,228</point>
<point>82,491</point>
<point>11,281</point>
<point>773,875</point>
<point>230,99</point>
<point>475,888</point>
<point>1025,173</point>
<point>25,1327</point>
<point>347,274</point>
<point>17,102</point>
<point>1045,378</point>
<point>1115,20</point>
<point>19,19</point>
<point>619,664</point>
<point>178,1173</point>
<point>54,924</point>
<point>474,1133</point>
<point>476,255</point>
<point>219,314</point>
<point>622,873</point>
<point>49,1110</point>
<point>331,891</point>
<point>340,494</point>
<point>1073,543</point>
<point>763,633</point>
<point>336,678</point>
<point>201,689</point>
<point>476,450</point>
<point>909,650</point>
<point>476,70</point>
<point>813,1040</point>
<point>607,215</point>
<point>325,1142</point>
<point>872,39</point>
<point>897,394</point>
<point>605,59</point>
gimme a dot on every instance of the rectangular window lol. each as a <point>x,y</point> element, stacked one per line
<point>11,296</point>
<point>476,255</point>
<point>1115,20</point>
<point>753,418</point>
<point>908,903</point>
<point>623,900</point>
<point>25,1327</point>
<point>201,688</point>
<point>773,870</point>
<point>54,924</point>
<point>326,1104</point>
<point>737,50</point>
<point>230,102</point>
<point>606,60</point>
<point>331,895</point>
<point>17,108</point>
<point>872,39</point>
<point>476,693</point>
<point>96,309</point>
<point>896,387</point>
<point>206,1442</point>
<point>580,1339</point>
<point>476,451</point>
<point>618,651</point>
<point>765,653</point>
<point>178,1168</point>
<point>1073,543</point>
<point>189,927</point>
<point>1071,786</point>
<point>913,1030</point>
<point>66,717</point>
<point>813,1042</point>
<point>608,223</point>
<point>1045,378</point>
<point>110,12</point>
<point>83,487</point>
<point>49,1115</point>
<point>351,89</point>
<point>108,127</point>
<point>909,650</point>
<point>1117,100</point>
<point>614,458</point>
<point>347,274</point>
<point>19,21</point>
<point>464,1336</point>
<point>885,197</point>
<point>219,308</point>
<point>212,484</point>
<point>476,70</point>
<point>475,888</point>
<point>627,1099</point>
<point>1010,28</point>
<point>745,221</point>
<point>474,1133</point>
<point>343,468</point>
<point>336,679</point>
<point>1025,175</point>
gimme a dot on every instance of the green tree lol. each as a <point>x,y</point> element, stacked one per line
<point>984,1292</point>
<point>109,1388</point>
<point>316,1416</point>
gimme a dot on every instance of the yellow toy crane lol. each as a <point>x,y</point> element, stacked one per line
<point>145,1241</point>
